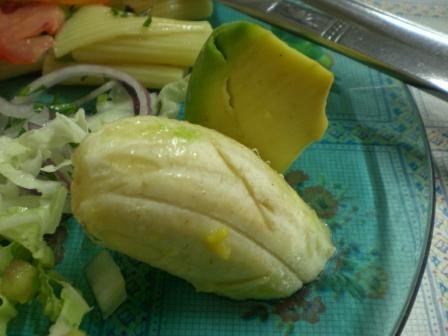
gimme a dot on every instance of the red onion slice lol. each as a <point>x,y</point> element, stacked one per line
<point>27,112</point>
<point>82,70</point>
<point>59,175</point>
<point>32,126</point>
<point>16,111</point>
<point>95,93</point>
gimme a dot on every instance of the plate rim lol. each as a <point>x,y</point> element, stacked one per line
<point>424,254</point>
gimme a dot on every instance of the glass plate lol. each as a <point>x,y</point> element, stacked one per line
<point>370,178</point>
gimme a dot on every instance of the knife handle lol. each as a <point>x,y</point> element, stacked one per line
<point>415,54</point>
<point>382,22</point>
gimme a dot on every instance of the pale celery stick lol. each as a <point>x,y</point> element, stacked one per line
<point>92,24</point>
<point>182,9</point>
<point>107,283</point>
<point>8,70</point>
<point>153,76</point>
<point>176,49</point>
<point>176,9</point>
<point>149,75</point>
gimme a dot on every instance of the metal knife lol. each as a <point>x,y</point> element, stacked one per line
<point>416,54</point>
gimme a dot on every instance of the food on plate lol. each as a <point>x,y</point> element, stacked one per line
<point>175,49</point>
<point>36,144</point>
<point>251,86</point>
<point>155,55</point>
<point>26,31</point>
<point>9,70</point>
<point>104,35</point>
<point>199,205</point>
<point>153,76</point>
<point>92,24</point>
<point>7,313</point>
<point>70,308</point>
<point>178,196</point>
<point>182,9</point>
<point>30,209</point>
<point>107,283</point>
<point>176,9</point>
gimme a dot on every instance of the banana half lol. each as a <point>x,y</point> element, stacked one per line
<point>199,205</point>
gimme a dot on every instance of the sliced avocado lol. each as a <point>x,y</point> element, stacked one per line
<point>251,86</point>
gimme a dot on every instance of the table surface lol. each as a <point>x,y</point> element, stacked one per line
<point>429,314</point>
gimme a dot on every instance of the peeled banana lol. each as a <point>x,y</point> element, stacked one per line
<point>199,205</point>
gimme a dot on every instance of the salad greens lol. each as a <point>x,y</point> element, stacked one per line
<point>35,174</point>
<point>31,207</point>
<point>171,97</point>
<point>107,283</point>
<point>7,312</point>
<point>70,309</point>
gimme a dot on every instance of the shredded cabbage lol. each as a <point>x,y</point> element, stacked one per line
<point>65,311</point>
<point>107,283</point>
<point>7,312</point>
<point>51,168</point>
<point>27,225</point>
<point>25,218</point>
<point>6,256</point>
<point>35,171</point>
<point>117,104</point>
<point>171,97</point>
<point>74,307</point>
<point>31,206</point>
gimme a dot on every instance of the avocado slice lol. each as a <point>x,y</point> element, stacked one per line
<point>251,86</point>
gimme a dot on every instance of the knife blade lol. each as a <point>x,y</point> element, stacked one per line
<point>413,53</point>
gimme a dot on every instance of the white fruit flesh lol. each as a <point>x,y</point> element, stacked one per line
<point>199,205</point>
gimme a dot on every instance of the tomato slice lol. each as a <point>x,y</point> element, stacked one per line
<point>21,27</point>
<point>26,51</point>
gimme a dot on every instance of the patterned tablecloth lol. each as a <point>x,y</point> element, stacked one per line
<point>429,315</point>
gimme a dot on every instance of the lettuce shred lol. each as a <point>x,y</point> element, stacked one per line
<point>35,173</point>
<point>31,206</point>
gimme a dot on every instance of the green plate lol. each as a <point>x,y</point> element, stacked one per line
<point>370,178</point>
